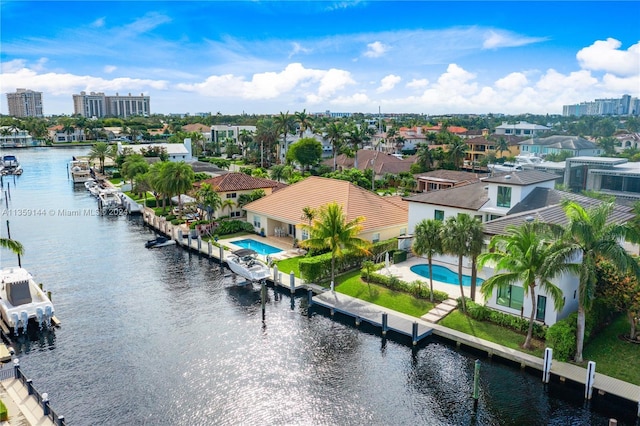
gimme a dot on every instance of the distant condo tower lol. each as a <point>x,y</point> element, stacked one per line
<point>25,103</point>
<point>99,105</point>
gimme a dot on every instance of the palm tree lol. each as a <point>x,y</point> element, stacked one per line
<point>134,165</point>
<point>245,137</point>
<point>304,120</point>
<point>284,123</point>
<point>427,241</point>
<point>227,203</point>
<point>591,234</point>
<point>209,199</point>
<point>100,151</point>
<point>457,151</point>
<point>527,255</point>
<point>335,132</point>
<point>457,233</point>
<point>501,146</point>
<point>177,178</point>
<point>331,230</point>
<point>13,245</point>
<point>425,159</point>
<point>267,137</point>
<point>357,135</point>
<point>308,214</point>
<point>475,246</point>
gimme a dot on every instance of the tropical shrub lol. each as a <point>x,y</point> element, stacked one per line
<point>561,337</point>
<point>4,415</point>
<point>483,313</point>
<point>232,226</point>
<point>416,288</point>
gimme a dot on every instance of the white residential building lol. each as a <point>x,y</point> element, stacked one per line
<point>176,152</point>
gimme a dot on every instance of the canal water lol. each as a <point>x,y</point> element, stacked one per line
<point>163,337</point>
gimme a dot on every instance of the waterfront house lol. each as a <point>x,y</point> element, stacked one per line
<point>231,186</point>
<point>281,212</point>
<point>57,133</point>
<point>175,151</point>
<point>500,201</point>
<point>522,128</point>
<point>13,137</point>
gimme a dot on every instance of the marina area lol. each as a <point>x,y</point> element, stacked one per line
<point>166,336</point>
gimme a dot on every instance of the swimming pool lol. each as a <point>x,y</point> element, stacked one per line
<point>444,275</point>
<point>257,246</point>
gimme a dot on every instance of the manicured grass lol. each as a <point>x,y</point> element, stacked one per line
<point>615,357</point>
<point>352,285</point>
<point>292,264</point>
<point>491,332</point>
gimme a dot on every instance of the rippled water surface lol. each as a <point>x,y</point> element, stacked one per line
<point>163,337</point>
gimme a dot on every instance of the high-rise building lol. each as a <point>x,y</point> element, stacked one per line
<point>626,105</point>
<point>100,105</point>
<point>25,103</point>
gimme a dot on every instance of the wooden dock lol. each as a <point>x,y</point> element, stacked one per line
<point>373,314</point>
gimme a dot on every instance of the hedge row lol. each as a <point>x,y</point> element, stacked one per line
<point>417,288</point>
<point>521,325</point>
<point>232,226</point>
<point>318,268</point>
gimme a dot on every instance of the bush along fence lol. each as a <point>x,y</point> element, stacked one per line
<point>41,398</point>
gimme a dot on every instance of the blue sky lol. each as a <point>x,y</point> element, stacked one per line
<point>354,56</point>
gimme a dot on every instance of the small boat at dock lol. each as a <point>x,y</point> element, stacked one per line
<point>22,300</point>
<point>10,165</point>
<point>244,262</point>
<point>80,171</point>
<point>159,242</point>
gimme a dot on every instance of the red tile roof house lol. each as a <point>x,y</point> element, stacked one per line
<point>367,158</point>
<point>384,218</point>
<point>231,185</point>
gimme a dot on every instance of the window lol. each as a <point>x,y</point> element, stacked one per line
<point>403,231</point>
<point>305,234</point>
<point>510,297</point>
<point>541,308</point>
<point>504,196</point>
<point>479,217</point>
<point>376,238</point>
<point>438,215</point>
<point>236,214</point>
<point>232,195</point>
<point>256,222</point>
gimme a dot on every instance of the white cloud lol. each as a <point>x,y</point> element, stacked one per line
<point>110,68</point>
<point>607,56</point>
<point>375,50</point>
<point>494,39</point>
<point>388,83</point>
<point>512,82</point>
<point>417,83</point>
<point>297,48</point>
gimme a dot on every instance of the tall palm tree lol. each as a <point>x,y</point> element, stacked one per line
<point>331,230</point>
<point>475,244</point>
<point>245,137</point>
<point>591,234</point>
<point>457,232</point>
<point>357,135</point>
<point>502,145</point>
<point>228,203</point>
<point>284,123</point>
<point>304,120</point>
<point>427,241</point>
<point>335,133</point>
<point>267,136</point>
<point>100,151</point>
<point>308,214</point>
<point>177,178</point>
<point>526,255</point>
<point>134,165</point>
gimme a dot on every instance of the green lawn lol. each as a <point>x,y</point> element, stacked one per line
<point>287,265</point>
<point>352,285</point>
<point>491,332</point>
<point>615,357</point>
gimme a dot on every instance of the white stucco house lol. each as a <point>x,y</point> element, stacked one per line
<point>177,152</point>
<point>502,201</point>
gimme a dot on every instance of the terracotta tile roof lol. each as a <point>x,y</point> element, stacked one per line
<point>314,191</point>
<point>382,162</point>
<point>196,127</point>
<point>239,182</point>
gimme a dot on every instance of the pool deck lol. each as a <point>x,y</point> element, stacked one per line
<point>404,272</point>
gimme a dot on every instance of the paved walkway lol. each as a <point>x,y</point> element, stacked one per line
<point>23,408</point>
<point>440,311</point>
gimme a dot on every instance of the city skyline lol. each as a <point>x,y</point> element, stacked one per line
<point>267,57</point>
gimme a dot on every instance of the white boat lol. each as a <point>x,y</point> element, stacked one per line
<point>80,171</point>
<point>21,300</point>
<point>160,242</point>
<point>528,160</point>
<point>109,198</point>
<point>11,165</point>
<point>244,262</point>
<point>505,167</point>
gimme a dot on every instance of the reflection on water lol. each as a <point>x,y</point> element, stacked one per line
<point>164,337</point>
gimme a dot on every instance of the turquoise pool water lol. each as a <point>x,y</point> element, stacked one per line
<point>443,274</point>
<point>257,246</point>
